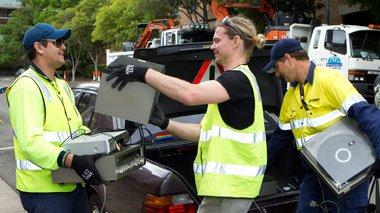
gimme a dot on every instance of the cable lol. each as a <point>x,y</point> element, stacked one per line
<point>261,210</point>
<point>153,140</point>
<point>72,136</point>
<point>320,184</point>
<point>325,207</point>
<point>322,205</point>
<point>104,197</point>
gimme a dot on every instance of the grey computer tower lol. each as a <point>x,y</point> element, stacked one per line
<point>134,102</point>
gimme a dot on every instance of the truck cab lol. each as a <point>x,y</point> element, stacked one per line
<point>177,36</point>
<point>353,50</point>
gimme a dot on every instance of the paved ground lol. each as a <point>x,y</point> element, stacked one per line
<point>9,199</point>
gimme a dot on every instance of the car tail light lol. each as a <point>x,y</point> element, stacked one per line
<point>181,203</point>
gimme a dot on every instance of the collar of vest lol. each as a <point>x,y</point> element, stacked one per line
<point>235,68</point>
<point>39,71</point>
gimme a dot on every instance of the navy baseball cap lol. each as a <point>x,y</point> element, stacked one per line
<point>43,31</point>
<point>280,48</point>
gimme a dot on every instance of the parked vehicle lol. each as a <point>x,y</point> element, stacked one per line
<point>353,50</point>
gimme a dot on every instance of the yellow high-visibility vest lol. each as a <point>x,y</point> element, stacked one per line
<point>43,115</point>
<point>231,162</point>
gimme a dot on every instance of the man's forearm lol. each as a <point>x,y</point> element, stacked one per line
<point>187,131</point>
<point>174,88</point>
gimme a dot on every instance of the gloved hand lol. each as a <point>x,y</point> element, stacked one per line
<point>84,166</point>
<point>158,118</point>
<point>125,74</point>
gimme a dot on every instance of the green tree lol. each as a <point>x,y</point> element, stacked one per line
<point>117,21</point>
<point>12,51</point>
<point>80,19</point>
<point>32,12</point>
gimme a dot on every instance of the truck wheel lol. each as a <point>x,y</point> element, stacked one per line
<point>94,204</point>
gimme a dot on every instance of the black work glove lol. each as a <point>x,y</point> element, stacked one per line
<point>125,74</point>
<point>84,166</point>
<point>158,118</point>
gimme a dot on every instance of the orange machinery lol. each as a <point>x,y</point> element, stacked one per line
<point>159,24</point>
<point>220,8</point>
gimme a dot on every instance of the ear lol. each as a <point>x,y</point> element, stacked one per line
<point>287,57</point>
<point>236,40</point>
<point>39,48</point>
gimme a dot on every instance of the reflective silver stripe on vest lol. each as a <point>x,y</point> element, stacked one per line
<point>245,69</point>
<point>315,122</point>
<point>222,132</point>
<point>56,136</point>
<point>26,165</point>
<point>285,126</point>
<point>351,101</point>
<point>67,90</point>
<point>40,84</point>
<point>301,141</point>
<point>229,169</point>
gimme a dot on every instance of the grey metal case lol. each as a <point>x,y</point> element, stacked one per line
<point>342,155</point>
<point>135,101</point>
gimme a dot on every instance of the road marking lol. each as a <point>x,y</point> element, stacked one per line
<point>6,148</point>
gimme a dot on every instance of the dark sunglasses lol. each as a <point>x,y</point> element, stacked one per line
<point>226,21</point>
<point>57,42</point>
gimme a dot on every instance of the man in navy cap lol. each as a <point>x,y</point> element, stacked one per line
<point>317,98</point>
<point>43,115</point>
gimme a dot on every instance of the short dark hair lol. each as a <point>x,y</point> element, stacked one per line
<point>300,55</point>
<point>31,52</point>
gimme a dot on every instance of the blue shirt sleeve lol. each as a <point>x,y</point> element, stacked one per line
<point>368,118</point>
<point>277,142</point>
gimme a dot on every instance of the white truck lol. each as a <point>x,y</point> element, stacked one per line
<point>174,36</point>
<point>354,50</point>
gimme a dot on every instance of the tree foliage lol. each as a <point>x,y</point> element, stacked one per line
<point>117,21</point>
<point>100,24</point>
<point>32,12</point>
<point>12,51</point>
<point>80,19</point>
<point>373,6</point>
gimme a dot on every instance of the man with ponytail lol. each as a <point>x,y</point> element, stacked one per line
<point>231,159</point>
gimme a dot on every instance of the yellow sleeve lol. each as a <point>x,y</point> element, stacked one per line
<point>338,90</point>
<point>284,117</point>
<point>26,112</point>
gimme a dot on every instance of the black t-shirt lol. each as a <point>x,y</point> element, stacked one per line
<point>238,112</point>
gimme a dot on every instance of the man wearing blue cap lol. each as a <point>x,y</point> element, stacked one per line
<point>317,98</point>
<point>43,115</point>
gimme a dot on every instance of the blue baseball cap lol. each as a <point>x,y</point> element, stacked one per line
<point>280,48</point>
<point>43,31</point>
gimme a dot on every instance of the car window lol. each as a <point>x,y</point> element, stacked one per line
<point>335,41</point>
<point>93,120</point>
<point>77,94</point>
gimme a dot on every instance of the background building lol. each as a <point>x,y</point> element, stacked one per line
<point>6,7</point>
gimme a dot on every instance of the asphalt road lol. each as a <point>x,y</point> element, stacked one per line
<point>7,162</point>
<point>5,129</point>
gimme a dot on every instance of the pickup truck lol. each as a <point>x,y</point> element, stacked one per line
<point>353,50</point>
<point>166,183</point>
